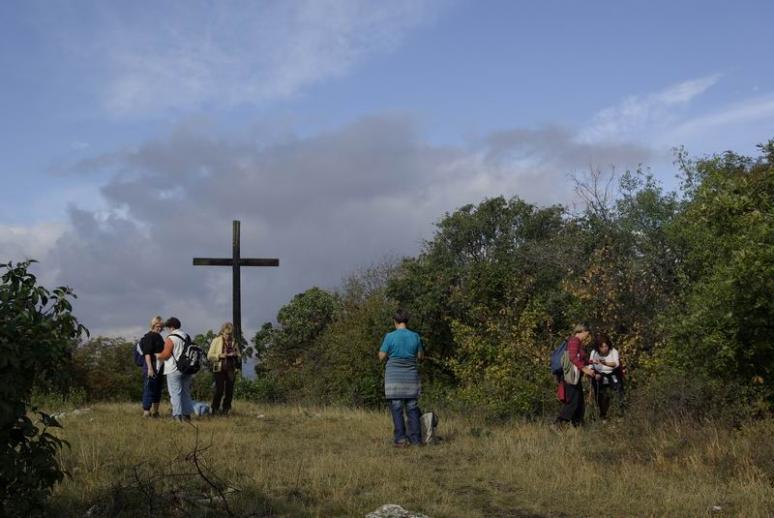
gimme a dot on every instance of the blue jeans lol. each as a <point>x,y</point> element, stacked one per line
<point>179,387</point>
<point>151,391</point>
<point>412,412</point>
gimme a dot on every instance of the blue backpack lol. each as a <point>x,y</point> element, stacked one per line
<point>139,358</point>
<point>556,359</point>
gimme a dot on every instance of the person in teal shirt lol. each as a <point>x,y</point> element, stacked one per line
<point>402,349</point>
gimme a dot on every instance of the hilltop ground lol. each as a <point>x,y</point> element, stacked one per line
<point>296,461</point>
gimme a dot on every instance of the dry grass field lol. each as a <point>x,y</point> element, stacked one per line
<point>296,461</point>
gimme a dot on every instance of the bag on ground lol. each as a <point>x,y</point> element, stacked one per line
<point>201,408</point>
<point>190,360</point>
<point>428,422</point>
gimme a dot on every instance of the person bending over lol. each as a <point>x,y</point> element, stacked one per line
<point>178,384</point>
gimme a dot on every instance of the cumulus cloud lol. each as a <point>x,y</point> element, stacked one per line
<point>20,243</point>
<point>325,204</point>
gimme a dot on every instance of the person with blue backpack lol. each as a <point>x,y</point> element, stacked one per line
<point>574,364</point>
<point>145,356</point>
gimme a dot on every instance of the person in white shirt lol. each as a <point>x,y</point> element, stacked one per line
<point>178,384</point>
<point>607,375</point>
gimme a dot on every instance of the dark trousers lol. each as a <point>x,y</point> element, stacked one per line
<point>602,394</point>
<point>575,407</point>
<point>151,390</point>
<point>224,382</point>
<point>412,412</point>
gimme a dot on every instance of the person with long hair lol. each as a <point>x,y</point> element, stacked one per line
<point>226,360</point>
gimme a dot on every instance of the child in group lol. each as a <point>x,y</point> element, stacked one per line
<point>605,362</point>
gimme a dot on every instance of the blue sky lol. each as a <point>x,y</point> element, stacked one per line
<point>107,105</point>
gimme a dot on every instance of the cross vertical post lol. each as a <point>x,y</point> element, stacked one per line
<point>235,262</point>
<point>237,285</point>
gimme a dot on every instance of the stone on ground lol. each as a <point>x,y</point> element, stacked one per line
<point>394,511</point>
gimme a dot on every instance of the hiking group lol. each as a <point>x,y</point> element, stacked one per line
<point>178,359</point>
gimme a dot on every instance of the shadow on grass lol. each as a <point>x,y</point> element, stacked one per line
<point>126,502</point>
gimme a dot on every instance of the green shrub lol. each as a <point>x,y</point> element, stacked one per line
<point>104,369</point>
<point>670,393</point>
<point>37,329</point>
<point>260,390</point>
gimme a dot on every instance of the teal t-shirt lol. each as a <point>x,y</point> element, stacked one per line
<point>401,343</point>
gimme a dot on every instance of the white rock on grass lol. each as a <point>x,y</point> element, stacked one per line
<point>77,411</point>
<point>394,511</point>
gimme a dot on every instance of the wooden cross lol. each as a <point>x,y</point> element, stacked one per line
<point>236,262</point>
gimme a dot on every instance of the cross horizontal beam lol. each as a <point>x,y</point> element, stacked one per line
<point>207,261</point>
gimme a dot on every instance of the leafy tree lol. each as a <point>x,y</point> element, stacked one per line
<point>285,349</point>
<point>626,276</point>
<point>721,324</point>
<point>203,340</point>
<point>469,292</point>
<point>347,370</point>
<point>37,328</point>
<point>484,267</point>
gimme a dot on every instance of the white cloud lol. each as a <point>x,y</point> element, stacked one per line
<point>644,113</point>
<point>20,243</point>
<point>760,109</point>
<point>183,55</point>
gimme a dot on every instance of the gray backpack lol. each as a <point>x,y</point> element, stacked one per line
<point>429,422</point>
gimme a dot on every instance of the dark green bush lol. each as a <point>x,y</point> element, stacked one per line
<point>37,329</point>
<point>104,369</point>
<point>260,390</point>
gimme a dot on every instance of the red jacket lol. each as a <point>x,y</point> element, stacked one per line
<point>576,352</point>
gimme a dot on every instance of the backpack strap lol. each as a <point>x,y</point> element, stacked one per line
<point>185,343</point>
